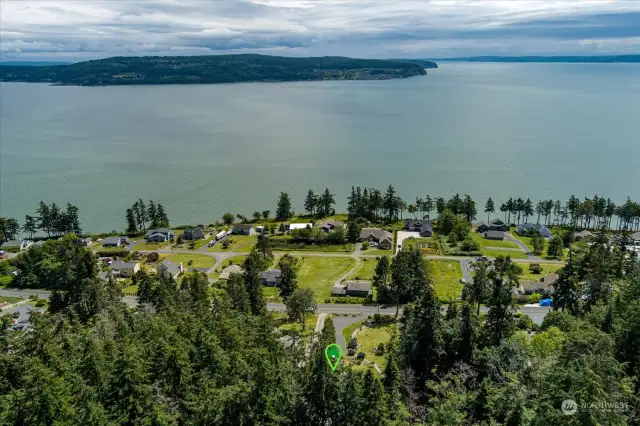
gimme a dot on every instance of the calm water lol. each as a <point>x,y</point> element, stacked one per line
<point>500,130</point>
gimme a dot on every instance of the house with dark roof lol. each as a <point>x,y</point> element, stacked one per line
<point>545,284</point>
<point>383,238</point>
<point>494,235</point>
<point>169,269</point>
<point>17,244</point>
<point>424,227</point>
<point>352,288</point>
<point>159,235</point>
<point>493,225</point>
<point>271,278</point>
<point>330,224</point>
<point>111,242</point>
<point>526,229</point>
<point>192,234</point>
<point>582,235</point>
<point>243,229</point>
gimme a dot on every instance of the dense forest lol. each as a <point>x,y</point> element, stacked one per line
<point>213,69</point>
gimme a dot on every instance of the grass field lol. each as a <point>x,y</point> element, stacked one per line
<point>288,327</point>
<point>547,268</point>
<point>365,271</point>
<point>511,253</point>
<point>446,278</point>
<point>370,338</point>
<point>132,290</point>
<point>285,243</point>
<point>237,242</point>
<point>199,260</point>
<point>378,252</point>
<point>9,299</point>
<point>320,273</point>
<point>348,330</point>
<point>493,243</point>
<point>527,242</point>
<point>235,260</point>
<point>150,246</point>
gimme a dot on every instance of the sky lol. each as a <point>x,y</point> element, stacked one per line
<point>84,29</point>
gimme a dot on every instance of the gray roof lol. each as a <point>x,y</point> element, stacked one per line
<point>331,223</point>
<point>496,221</point>
<point>339,290</point>
<point>635,236</point>
<point>494,234</point>
<point>422,224</point>
<point>169,266</point>
<point>111,240</point>
<point>378,234</point>
<point>583,234</point>
<point>271,275</point>
<point>165,231</point>
<point>119,264</point>
<point>12,243</point>
<point>231,269</point>
<point>358,285</point>
<point>243,226</point>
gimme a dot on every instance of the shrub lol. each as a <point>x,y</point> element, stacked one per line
<point>351,352</point>
<point>40,303</point>
<point>153,257</point>
<point>365,245</point>
<point>535,269</point>
<point>353,343</point>
<point>469,244</point>
<point>226,243</point>
<point>361,355</point>
<point>190,262</point>
<point>534,298</point>
<point>380,349</point>
<point>192,245</point>
<point>5,280</point>
<point>112,252</point>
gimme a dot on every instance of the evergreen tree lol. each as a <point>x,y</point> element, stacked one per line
<point>381,277</point>
<point>476,290</point>
<point>489,208</point>
<point>374,408</point>
<point>43,218</point>
<point>500,322</point>
<point>283,211</point>
<point>153,215</point>
<point>353,231</point>
<point>30,226</point>
<point>132,223</point>
<point>253,266</point>
<point>237,293</point>
<point>264,246</point>
<point>566,293</point>
<point>555,248</point>
<point>288,281</point>
<point>162,219</point>
<point>390,204</point>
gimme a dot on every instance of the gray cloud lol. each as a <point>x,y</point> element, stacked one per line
<point>82,30</point>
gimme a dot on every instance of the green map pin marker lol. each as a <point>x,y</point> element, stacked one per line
<point>333,353</point>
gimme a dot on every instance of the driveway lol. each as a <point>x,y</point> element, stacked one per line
<point>523,246</point>
<point>340,323</point>
<point>403,235</point>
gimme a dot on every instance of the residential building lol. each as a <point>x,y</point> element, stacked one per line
<point>545,284</point>
<point>159,235</point>
<point>330,224</point>
<point>380,236</point>
<point>424,227</point>
<point>294,226</point>
<point>582,235</point>
<point>271,277</point>
<point>353,289</point>
<point>17,244</point>
<point>82,242</point>
<point>169,269</point>
<point>635,237</point>
<point>231,269</point>
<point>260,229</point>
<point>494,235</point>
<point>111,242</point>
<point>124,269</point>
<point>243,229</point>
<point>526,229</point>
<point>192,234</point>
<point>493,225</point>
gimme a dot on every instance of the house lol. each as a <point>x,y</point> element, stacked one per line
<point>192,234</point>
<point>635,237</point>
<point>493,225</point>
<point>82,242</point>
<point>169,270</point>
<point>271,277</point>
<point>424,227</point>
<point>294,226</point>
<point>243,229</point>
<point>494,235</point>
<point>380,236</point>
<point>231,269</point>
<point>17,244</point>
<point>124,269</point>
<point>111,242</point>
<point>352,288</point>
<point>1,254</point>
<point>260,229</point>
<point>527,228</point>
<point>330,224</point>
<point>159,235</point>
<point>582,235</point>
<point>545,284</point>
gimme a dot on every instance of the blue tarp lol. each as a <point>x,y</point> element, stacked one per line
<point>545,302</point>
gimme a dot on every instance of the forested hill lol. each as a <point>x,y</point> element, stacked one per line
<point>211,69</point>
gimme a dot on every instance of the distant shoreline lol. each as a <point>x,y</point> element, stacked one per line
<point>607,59</point>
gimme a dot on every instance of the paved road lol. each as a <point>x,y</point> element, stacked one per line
<point>523,246</point>
<point>340,323</point>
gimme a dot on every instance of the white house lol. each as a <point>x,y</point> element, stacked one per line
<point>294,226</point>
<point>124,269</point>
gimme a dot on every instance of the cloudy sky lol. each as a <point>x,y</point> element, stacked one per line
<point>85,29</point>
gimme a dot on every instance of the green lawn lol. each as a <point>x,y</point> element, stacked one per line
<point>198,260</point>
<point>237,241</point>
<point>446,278</point>
<point>285,243</point>
<point>511,253</point>
<point>547,268</point>
<point>370,338</point>
<point>235,260</point>
<point>288,327</point>
<point>493,243</point>
<point>378,252</point>
<point>348,330</point>
<point>271,293</point>
<point>365,271</point>
<point>144,246</point>
<point>132,290</point>
<point>527,242</point>
<point>9,299</point>
<point>320,274</point>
